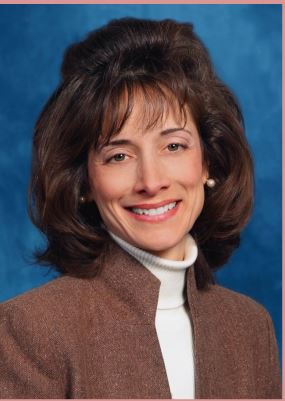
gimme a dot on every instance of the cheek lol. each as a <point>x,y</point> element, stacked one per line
<point>189,171</point>
<point>191,176</point>
<point>106,186</point>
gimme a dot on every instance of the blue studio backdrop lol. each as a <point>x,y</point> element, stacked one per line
<point>245,44</point>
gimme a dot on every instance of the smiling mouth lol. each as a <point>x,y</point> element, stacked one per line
<point>154,211</point>
<point>147,212</point>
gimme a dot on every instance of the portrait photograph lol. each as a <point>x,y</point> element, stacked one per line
<point>141,201</point>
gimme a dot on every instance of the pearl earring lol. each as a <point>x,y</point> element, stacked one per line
<point>210,182</point>
<point>82,199</point>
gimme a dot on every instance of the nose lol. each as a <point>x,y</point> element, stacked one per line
<point>151,177</point>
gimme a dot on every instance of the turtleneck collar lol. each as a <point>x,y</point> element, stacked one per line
<point>170,273</point>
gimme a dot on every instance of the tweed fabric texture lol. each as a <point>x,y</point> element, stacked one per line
<point>96,338</point>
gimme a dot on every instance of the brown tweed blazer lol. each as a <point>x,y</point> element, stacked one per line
<point>96,338</point>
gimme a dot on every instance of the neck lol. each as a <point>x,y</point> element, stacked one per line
<point>171,273</point>
<point>176,254</point>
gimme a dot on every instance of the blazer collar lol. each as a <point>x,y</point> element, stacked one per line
<point>132,291</point>
<point>134,285</point>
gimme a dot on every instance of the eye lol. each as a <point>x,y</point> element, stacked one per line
<point>174,146</point>
<point>119,157</point>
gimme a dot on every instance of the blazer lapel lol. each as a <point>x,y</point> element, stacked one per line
<point>125,359</point>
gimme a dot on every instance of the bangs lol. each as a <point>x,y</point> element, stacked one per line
<point>156,101</point>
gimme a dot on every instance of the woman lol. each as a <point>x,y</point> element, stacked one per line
<point>142,181</point>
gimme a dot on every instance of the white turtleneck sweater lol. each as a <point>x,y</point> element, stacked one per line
<point>172,321</point>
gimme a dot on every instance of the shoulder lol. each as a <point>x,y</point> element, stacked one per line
<point>238,334</point>
<point>34,326</point>
<point>55,294</point>
<point>238,309</point>
<point>235,300</point>
<point>49,309</point>
<point>235,320</point>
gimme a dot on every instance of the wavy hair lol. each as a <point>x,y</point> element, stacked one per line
<point>166,62</point>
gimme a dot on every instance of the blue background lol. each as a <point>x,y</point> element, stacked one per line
<point>245,44</point>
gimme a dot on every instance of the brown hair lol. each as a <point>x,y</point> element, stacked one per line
<point>164,60</point>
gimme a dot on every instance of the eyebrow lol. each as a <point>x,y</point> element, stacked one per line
<point>165,132</point>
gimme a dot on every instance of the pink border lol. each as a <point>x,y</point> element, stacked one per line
<point>283,198</point>
<point>283,98</point>
<point>144,2</point>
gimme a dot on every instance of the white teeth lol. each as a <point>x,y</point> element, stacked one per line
<point>154,212</point>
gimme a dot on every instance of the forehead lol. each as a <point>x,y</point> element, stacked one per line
<point>142,109</point>
<point>145,117</point>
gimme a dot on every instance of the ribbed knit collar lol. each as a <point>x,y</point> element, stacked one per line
<point>170,273</point>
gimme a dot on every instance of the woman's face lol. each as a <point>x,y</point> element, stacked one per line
<point>149,184</point>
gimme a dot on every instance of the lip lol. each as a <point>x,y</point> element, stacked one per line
<point>153,205</point>
<point>155,218</point>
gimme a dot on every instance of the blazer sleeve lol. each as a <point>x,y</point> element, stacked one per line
<point>31,365</point>
<point>274,386</point>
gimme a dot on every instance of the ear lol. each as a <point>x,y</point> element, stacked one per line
<point>89,197</point>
